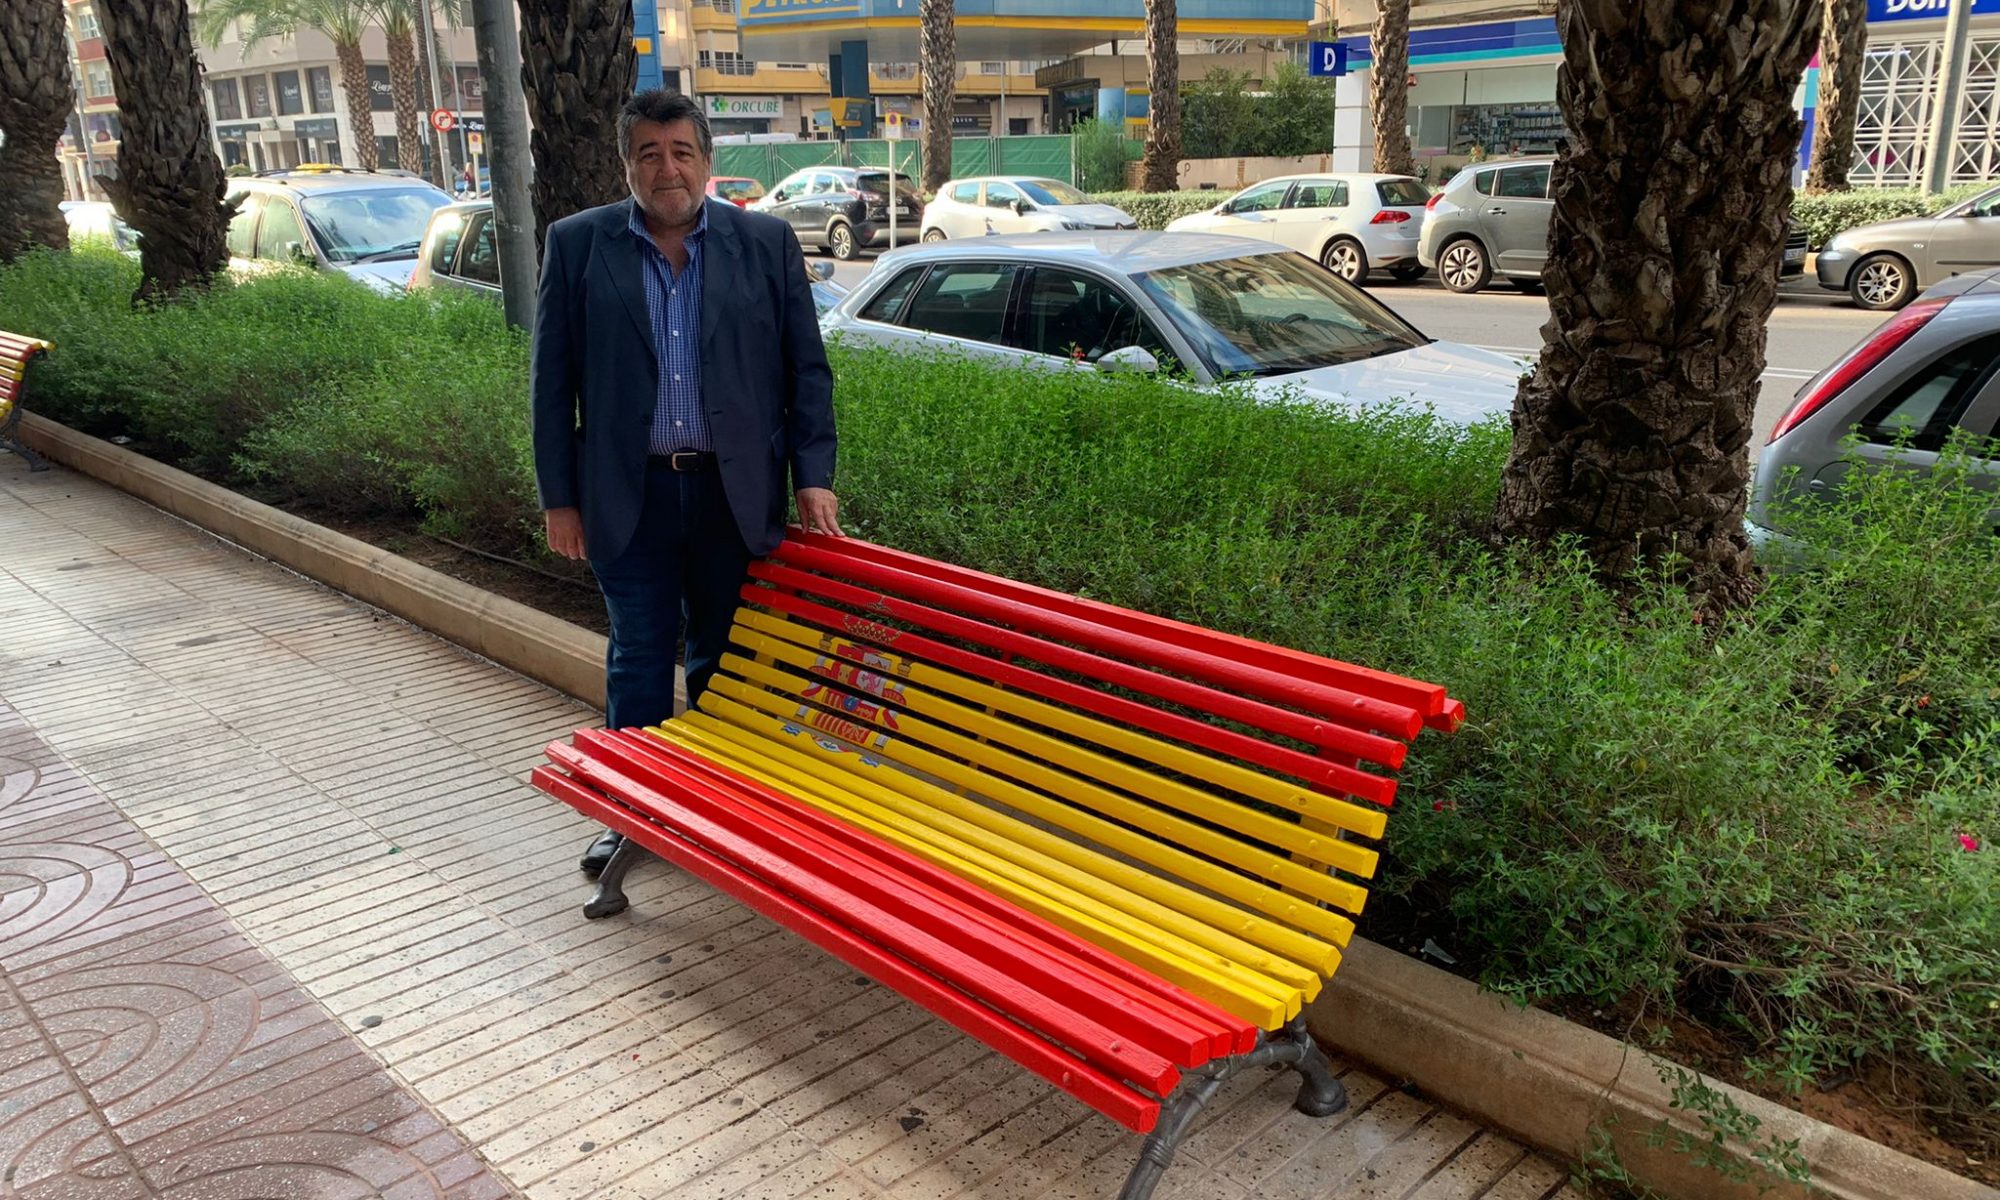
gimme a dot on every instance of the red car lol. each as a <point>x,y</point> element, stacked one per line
<point>735,189</point>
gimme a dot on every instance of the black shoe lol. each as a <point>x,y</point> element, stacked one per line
<point>600,852</point>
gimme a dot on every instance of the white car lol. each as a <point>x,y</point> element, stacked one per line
<point>994,205</point>
<point>1352,224</point>
<point>1218,309</point>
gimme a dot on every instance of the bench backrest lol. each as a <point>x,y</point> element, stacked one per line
<point>1201,804</point>
<point>15,354</point>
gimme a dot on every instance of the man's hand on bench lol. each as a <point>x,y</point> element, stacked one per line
<point>819,511</point>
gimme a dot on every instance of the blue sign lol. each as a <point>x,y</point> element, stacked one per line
<point>1329,59</point>
<point>1921,10</point>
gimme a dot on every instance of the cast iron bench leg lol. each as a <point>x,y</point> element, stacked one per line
<point>1320,1095</point>
<point>610,897</point>
<point>10,439</point>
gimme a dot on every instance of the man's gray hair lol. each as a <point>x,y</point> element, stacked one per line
<point>658,104</point>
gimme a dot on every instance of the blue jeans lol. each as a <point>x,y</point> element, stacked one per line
<point>682,573</point>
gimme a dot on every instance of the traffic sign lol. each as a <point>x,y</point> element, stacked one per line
<point>892,125</point>
<point>475,143</point>
<point>1329,59</point>
<point>442,119</point>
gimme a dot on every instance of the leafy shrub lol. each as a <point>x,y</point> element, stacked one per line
<point>1153,210</point>
<point>1825,214</point>
<point>1102,150</point>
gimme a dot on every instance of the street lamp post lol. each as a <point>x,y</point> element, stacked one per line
<point>507,128</point>
<point>1943,143</point>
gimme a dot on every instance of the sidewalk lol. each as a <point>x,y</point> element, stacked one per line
<point>279,916</point>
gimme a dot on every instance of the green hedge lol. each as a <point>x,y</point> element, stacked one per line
<point>1761,821</point>
<point>1154,209</point>
<point>1825,214</point>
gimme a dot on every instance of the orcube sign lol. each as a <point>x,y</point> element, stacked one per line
<point>745,106</point>
<point>1922,10</point>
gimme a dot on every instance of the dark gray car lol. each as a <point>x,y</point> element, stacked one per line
<point>1492,220</point>
<point>1932,369</point>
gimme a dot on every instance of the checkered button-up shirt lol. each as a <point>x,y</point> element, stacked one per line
<point>674,304</point>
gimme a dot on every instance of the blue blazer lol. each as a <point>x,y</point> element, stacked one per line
<point>764,375</point>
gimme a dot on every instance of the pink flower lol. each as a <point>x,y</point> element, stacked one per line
<point>1923,701</point>
<point>1968,843</point>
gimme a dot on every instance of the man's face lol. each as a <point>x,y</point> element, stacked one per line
<point>667,171</point>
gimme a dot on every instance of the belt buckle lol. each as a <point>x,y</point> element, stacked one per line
<point>685,460</point>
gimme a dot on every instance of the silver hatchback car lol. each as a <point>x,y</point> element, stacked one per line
<point>1932,369</point>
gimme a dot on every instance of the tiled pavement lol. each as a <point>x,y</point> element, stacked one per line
<point>279,917</point>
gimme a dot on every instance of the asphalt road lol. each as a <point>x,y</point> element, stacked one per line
<point>1809,329</point>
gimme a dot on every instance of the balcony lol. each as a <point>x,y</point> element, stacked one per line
<point>719,17</point>
<point>740,77</point>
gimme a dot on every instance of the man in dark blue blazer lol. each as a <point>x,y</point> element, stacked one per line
<point>678,379</point>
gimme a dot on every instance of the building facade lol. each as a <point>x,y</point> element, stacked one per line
<point>1483,82</point>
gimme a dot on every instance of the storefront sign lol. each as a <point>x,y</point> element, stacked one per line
<point>1922,10</point>
<point>324,128</point>
<point>736,107</point>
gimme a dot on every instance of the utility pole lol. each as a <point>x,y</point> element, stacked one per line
<point>1943,144</point>
<point>440,159</point>
<point>507,131</point>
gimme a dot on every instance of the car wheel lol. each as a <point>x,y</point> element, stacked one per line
<point>1345,258</point>
<point>933,235</point>
<point>840,238</point>
<point>1881,282</point>
<point>1407,273</point>
<point>1463,266</point>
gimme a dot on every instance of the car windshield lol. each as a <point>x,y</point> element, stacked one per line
<point>375,225</point>
<point>1273,314</point>
<point>739,189</point>
<point>1048,191</point>
<point>1402,193</point>
<point>875,183</point>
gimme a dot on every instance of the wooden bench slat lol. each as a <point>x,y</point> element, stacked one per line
<point>1129,1108</point>
<point>1428,699</point>
<point>836,883</point>
<point>1281,721</point>
<point>1031,871</point>
<point>1334,776</point>
<point>823,654</point>
<point>1152,1012</point>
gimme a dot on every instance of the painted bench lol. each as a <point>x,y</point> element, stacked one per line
<point>1122,850</point>
<point>16,352</point>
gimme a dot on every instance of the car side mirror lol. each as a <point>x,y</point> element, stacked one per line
<point>1129,360</point>
<point>1020,207</point>
<point>295,253</point>
<point>821,271</point>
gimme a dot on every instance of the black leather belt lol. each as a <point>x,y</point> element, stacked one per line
<point>684,460</point>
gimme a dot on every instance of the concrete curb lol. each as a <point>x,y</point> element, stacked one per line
<point>1538,1077</point>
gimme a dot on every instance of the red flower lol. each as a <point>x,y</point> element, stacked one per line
<point>1968,843</point>
<point>1923,701</point>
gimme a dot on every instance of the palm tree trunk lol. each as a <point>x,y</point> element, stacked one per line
<point>1843,49</point>
<point>36,93</point>
<point>1670,208</point>
<point>938,52</point>
<point>403,85</point>
<point>169,184</point>
<point>360,112</point>
<point>1389,91</point>
<point>577,68</point>
<point>1163,79</point>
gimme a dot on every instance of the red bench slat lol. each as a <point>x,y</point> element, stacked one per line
<point>1312,730</point>
<point>1335,704</point>
<point>1427,699</point>
<point>1129,1108</point>
<point>816,872</point>
<point>1339,776</point>
<point>939,913</point>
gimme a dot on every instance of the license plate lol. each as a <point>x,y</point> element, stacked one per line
<point>1792,256</point>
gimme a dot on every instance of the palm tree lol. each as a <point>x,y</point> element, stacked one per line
<point>1163,80</point>
<point>1389,91</point>
<point>169,184</point>
<point>342,21</point>
<point>1842,48</point>
<point>399,26</point>
<point>577,68</point>
<point>1671,197</point>
<point>937,52</point>
<point>36,93</point>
